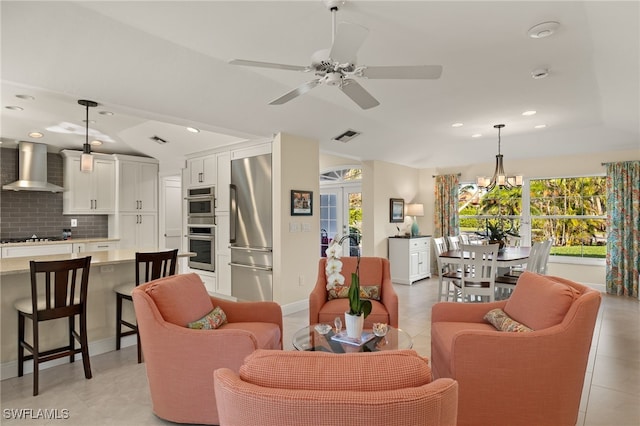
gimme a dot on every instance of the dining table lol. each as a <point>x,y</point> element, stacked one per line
<point>509,256</point>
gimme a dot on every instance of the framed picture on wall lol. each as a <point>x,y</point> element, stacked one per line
<point>396,210</point>
<point>301,203</point>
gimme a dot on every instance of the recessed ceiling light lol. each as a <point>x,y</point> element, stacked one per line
<point>539,73</point>
<point>14,108</point>
<point>105,113</point>
<point>26,97</point>
<point>544,29</point>
<point>95,142</point>
<point>540,126</point>
<point>476,135</point>
<point>35,135</point>
<point>528,113</point>
<point>193,130</point>
<point>457,125</point>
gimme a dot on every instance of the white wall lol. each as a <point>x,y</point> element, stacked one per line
<point>296,238</point>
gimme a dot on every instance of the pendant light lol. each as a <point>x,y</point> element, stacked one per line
<point>499,177</point>
<point>86,160</point>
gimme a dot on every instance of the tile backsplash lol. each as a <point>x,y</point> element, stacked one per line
<point>24,213</point>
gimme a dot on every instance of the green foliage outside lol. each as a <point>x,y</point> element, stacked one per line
<point>557,207</point>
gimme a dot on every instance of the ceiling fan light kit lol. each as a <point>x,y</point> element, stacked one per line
<point>499,177</point>
<point>337,66</point>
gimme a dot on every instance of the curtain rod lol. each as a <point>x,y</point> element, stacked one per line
<point>457,174</point>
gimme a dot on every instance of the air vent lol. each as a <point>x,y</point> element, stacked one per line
<point>158,139</point>
<point>346,136</point>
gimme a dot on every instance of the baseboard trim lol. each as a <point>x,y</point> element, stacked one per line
<point>9,369</point>
<point>292,308</point>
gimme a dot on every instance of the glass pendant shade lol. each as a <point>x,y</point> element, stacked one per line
<point>86,162</point>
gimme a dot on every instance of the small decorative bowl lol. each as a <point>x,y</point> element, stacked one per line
<point>380,329</point>
<point>323,328</point>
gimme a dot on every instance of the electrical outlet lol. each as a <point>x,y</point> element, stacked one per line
<point>74,223</point>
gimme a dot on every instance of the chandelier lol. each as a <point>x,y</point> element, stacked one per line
<point>499,177</point>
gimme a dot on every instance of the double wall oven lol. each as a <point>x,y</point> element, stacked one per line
<point>201,227</point>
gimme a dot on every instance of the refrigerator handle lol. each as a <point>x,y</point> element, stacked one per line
<point>233,208</point>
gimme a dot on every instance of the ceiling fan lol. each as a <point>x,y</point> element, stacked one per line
<point>337,66</point>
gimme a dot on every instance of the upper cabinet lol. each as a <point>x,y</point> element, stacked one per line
<point>138,189</point>
<point>202,171</point>
<point>89,193</point>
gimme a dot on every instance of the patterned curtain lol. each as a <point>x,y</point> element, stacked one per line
<point>623,228</point>
<point>447,220</point>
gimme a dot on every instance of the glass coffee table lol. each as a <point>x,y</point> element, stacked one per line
<point>308,339</point>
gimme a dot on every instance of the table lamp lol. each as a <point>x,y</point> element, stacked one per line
<point>415,210</point>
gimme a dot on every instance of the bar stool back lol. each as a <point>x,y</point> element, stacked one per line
<point>58,290</point>
<point>153,265</point>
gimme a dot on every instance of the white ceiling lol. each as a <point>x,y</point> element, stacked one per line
<point>163,65</point>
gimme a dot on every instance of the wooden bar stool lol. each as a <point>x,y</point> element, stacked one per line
<point>154,265</point>
<point>58,290</point>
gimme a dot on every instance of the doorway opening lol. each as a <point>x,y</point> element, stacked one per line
<point>341,208</point>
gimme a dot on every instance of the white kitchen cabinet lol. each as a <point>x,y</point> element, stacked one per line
<point>138,231</point>
<point>95,246</point>
<point>138,185</point>
<point>88,192</point>
<point>223,254</point>
<point>202,171</point>
<point>409,259</point>
<point>36,250</point>
<point>224,179</point>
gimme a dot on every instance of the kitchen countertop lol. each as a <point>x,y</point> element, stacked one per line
<point>19,265</point>
<point>70,241</point>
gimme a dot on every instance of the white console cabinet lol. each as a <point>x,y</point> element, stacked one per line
<point>409,259</point>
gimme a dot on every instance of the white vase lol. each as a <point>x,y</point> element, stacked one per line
<point>354,325</point>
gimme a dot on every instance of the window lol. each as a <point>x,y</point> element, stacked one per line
<point>572,211</point>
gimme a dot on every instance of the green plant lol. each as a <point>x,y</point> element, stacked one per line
<point>496,232</point>
<point>357,306</point>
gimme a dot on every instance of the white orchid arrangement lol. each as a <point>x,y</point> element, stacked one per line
<point>334,264</point>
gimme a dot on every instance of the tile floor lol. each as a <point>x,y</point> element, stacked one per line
<point>118,394</point>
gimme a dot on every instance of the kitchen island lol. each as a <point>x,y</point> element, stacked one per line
<point>108,270</point>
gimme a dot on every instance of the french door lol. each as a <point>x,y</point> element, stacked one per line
<point>340,215</point>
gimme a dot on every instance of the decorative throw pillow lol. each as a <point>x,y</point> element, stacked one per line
<point>370,292</point>
<point>212,320</point>
<point>502,322</point>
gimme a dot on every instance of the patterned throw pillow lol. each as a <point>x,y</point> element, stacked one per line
<point>212,320</point>
<point>366,292</point>
<point>503,322</point>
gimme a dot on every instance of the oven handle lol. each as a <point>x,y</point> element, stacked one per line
<point>201,237</point>
<point>200,197</point>
<point>258,249</point>
<point>242,265</point>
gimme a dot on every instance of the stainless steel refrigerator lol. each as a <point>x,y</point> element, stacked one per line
<point>251,228</point>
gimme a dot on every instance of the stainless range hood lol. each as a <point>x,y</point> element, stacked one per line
<point>32,169</point>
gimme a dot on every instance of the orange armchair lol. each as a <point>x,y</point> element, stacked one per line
<point>525,378</point>
<point>373,271</point>
<point>180,361</point>
<point>356,389</point>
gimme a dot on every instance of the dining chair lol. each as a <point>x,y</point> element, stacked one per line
<point>154,265</point>
<point>58,290</point>
<point>506,283</point>
<point>453,242</point>
<point>480,263</point>
<point>464,239</point>
<point>448,278</point>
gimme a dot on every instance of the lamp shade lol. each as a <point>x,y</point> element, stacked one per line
<point>415,210</point>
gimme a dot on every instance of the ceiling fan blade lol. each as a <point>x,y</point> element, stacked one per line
<point>358,94</point>
<point>301,90</point>
<point>268,65</point>
<point>349,37</point>
<point>403,72</point>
